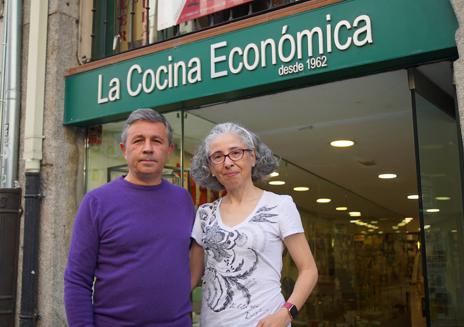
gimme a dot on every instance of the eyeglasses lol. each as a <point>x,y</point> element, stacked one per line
<point>218,158</point>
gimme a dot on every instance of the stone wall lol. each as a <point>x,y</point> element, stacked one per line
<point>63,158</point>
<point>458,6</point>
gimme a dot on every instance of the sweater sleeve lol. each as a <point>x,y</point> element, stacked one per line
<point>80,270</point>
<point>191,208</point>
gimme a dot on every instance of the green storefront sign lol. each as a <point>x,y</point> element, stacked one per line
<point>353,37</point>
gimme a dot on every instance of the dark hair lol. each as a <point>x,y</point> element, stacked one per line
<point>146,115</point>
<point>266,163</point>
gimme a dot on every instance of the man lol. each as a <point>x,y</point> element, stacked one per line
<point>128,263</point>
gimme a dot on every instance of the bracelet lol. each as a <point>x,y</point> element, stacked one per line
<point>291,309</point>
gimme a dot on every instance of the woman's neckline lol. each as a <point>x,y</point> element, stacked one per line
<point>245,220</point>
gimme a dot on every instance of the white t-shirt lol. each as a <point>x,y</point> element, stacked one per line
<point>243,264</point>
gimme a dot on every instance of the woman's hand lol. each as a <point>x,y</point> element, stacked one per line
<point>281,318</point>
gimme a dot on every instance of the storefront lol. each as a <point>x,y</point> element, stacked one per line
<point>383,213</point>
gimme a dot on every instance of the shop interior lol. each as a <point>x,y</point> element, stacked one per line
<point>358,199</point>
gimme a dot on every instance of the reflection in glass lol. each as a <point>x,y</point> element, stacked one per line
<point>442,211</point>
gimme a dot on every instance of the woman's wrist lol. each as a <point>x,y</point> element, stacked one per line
<point>283,312</point>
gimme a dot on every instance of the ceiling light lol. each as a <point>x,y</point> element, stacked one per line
<point>301,188</point>
<point>276,183</point>
<point>274,174</point>
<point>413,197</point>
<point>433,210</point>
<point>342,143</point>
<point>426,226</point>
<point>408,219</point>
<point>355,214</point>
<point>394,227</point>
<point>442,198</point>
<point>341,208</point>
<point>454,231</point>
<point>323,200</point>
<point>388,176</point>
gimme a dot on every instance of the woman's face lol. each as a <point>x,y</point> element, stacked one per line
<point>231,173</point>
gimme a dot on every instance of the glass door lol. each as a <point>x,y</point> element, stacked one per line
<point>439,165</point>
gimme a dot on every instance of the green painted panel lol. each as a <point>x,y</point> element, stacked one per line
<point>358,36</point>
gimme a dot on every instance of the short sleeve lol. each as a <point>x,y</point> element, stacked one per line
<point>290,219</point>
<point>197,231</point>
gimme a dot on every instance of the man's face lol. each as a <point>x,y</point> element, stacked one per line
<point>146,151</point>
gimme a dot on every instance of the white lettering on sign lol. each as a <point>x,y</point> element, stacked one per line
<point>114,92</point>
<point>293,51</point>
<point>309,45</point>
<point>101,99</point>
<point>165,76</point>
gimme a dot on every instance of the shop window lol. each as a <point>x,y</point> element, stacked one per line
<point>440,197</point>
<point>123,25</point>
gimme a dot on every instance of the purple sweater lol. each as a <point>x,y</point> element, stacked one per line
<point>135,241</point>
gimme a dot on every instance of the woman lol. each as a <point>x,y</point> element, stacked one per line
<point>239,238</point>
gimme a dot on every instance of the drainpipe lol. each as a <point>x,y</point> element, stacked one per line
<point>11,96</point>
<point>2,84</point>
<point>33,137</point>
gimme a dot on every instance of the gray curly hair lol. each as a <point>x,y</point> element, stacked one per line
<point>146,114</point>
<point>266,163</point>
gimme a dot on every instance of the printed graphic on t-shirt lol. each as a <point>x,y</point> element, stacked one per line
<point>231,260</point>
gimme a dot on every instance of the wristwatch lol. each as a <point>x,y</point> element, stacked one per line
<point>292,310</point>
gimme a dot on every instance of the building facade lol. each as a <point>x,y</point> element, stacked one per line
<point>384,216</point>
